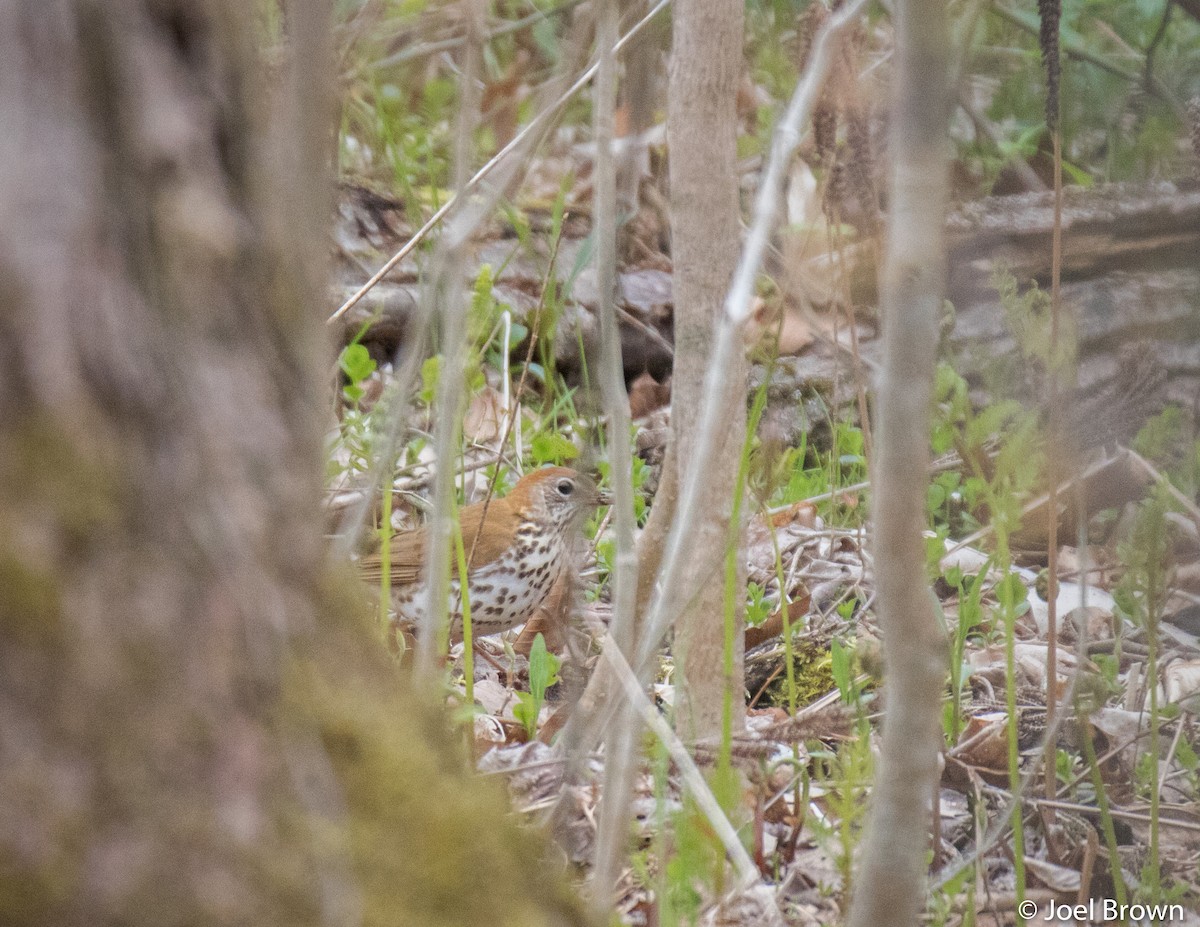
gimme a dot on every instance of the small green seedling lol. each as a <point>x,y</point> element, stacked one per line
<point>543,673</point>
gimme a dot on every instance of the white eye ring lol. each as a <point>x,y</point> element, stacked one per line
<point>565,487</point>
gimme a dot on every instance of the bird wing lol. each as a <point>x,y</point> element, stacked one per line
<point>407,559</point>
<point>408,549</point>
<point>485,546</point>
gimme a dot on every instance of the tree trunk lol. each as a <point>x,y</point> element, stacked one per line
<point>194,727</point>
<point>706,62</point>
<point>891,879</point>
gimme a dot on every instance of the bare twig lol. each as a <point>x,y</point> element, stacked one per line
<point>619,765</point>
<point>425,49</point>
<point>446,295</point>
<point>1153,472</point>
<point>1054,425</point>
<point>1181,823</point>
<point>523,141</point>
<point>697,785</point>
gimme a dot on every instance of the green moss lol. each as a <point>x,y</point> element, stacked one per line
<point>432,843</point>
<point>416,838</point>
<point>65,495</point>
<point>78,485</point>
<point>814,675</point>
<point>37,895</point>
<point>30,601</point>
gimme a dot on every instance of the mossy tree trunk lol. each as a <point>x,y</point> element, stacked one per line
<point>195,726</point>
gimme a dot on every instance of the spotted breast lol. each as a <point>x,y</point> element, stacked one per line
<point>519,548</point>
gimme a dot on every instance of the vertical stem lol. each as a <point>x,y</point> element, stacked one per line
<point>1158,552</point>
<point>1054,428</point>
<point>385,551</point>
<point>1050,16</point>
<point>706,61</point>
<point>890,887</point>
<point>619,768</point>
<point>446,290</point>
<point>460,555</point>
<point>1107,828</point>
<point>1012,719</point>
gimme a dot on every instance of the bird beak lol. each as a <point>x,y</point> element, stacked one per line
<point>604,497</point>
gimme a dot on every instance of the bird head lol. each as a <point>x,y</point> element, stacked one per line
<point>558,494</point>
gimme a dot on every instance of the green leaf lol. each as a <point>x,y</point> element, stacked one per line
<point>840,668</point>
<point>429,377</point>
<point>945,382</point>
<point>943,437</point>
<point>537,371</point>
<point>546,38</point>
<point>438,94</point>
<point>1077,175</point>
<point>543,669</point>
<point>850,443</point>
<point>482,302</point>
<point>1186,756</point>
<point>757,608</point>
<point>549,447</point>
<point>356,363</point>
<point>935,549</point>
<point>517,334</point>
<point>1011,592</point>
<point>526,712</point>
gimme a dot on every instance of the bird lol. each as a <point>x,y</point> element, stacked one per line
<point>519,549</point>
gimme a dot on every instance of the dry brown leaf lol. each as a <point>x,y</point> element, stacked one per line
<point>484,417</point>
<point>647,395</point>
<point>488,732</point>
<point>1181,684</point>
<point>801,513</point>
<point>984,742</point>
<point>1058,878</point>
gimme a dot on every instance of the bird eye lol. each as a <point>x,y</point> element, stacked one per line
<point>565,487</point>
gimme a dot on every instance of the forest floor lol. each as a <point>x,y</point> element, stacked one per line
<point>1120,817</point>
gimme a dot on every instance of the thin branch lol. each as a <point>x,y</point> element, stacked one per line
<point>524,141</point>
<point>446,292</point>
<point>426,49</point>
<point>619,765</point>
<point>1051,12</point>
<point>1028,22</point>
<point>697,785</point>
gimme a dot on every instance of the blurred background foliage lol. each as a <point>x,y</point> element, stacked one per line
<point>1129,69</point>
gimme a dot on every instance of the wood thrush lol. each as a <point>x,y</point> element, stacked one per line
<point>522,547</point>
